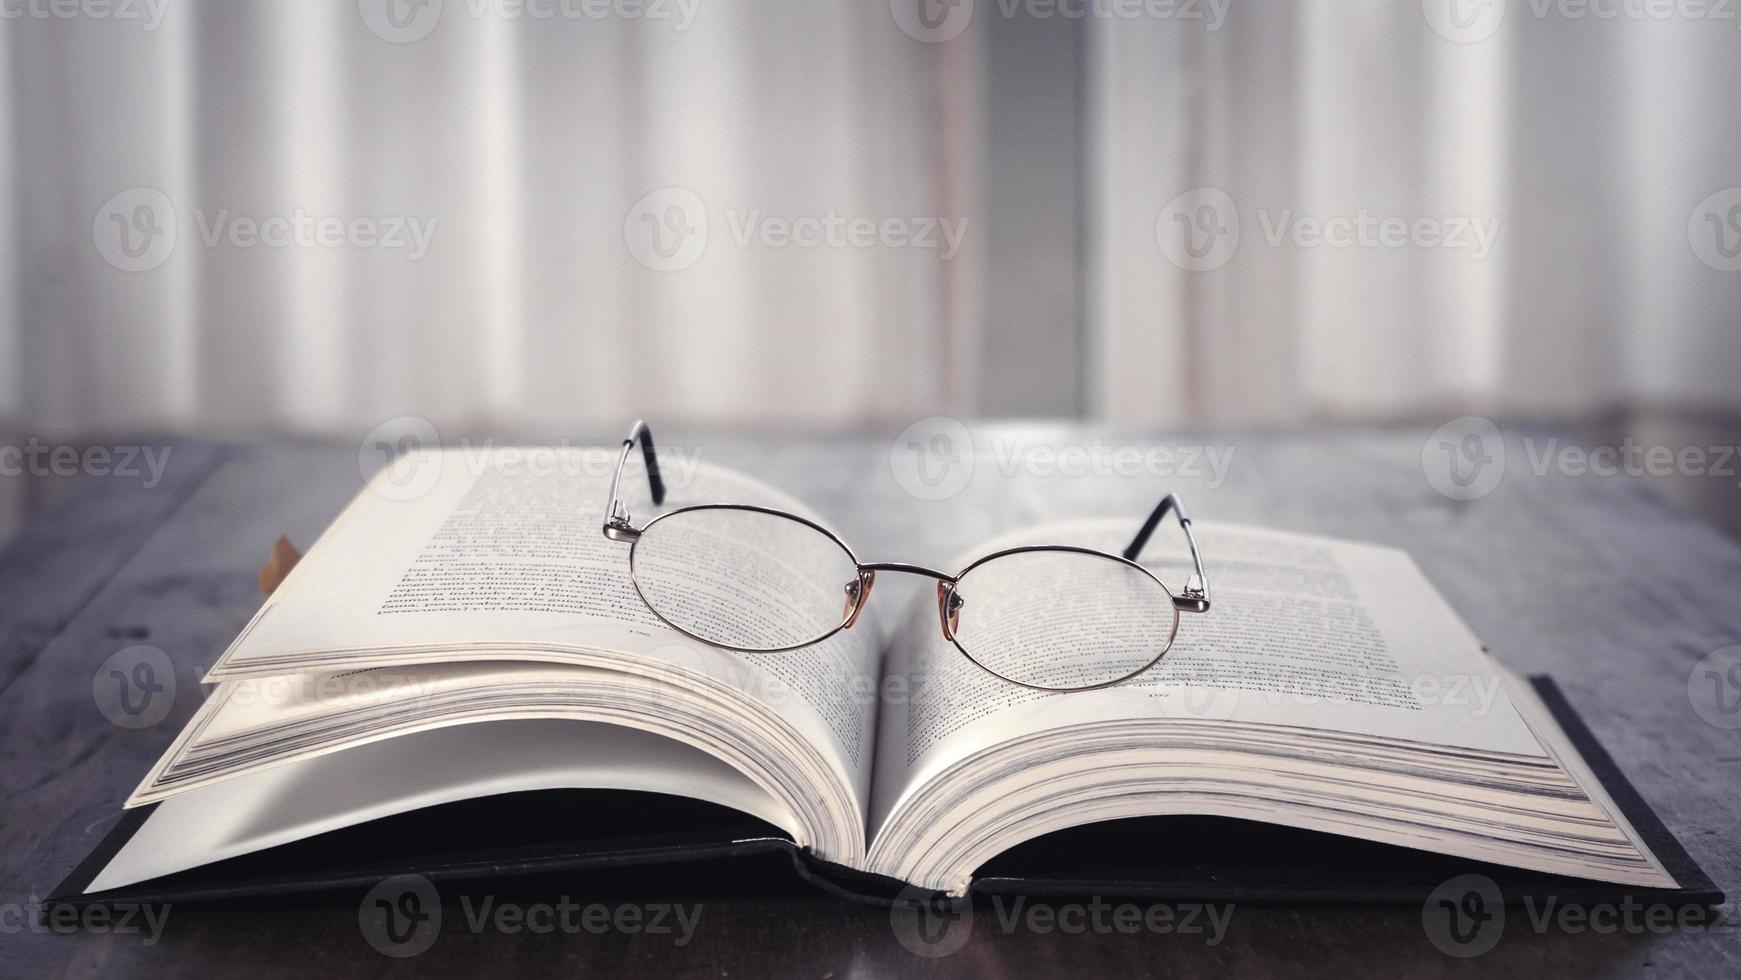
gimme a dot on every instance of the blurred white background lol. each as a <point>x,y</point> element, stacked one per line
<point>308,216</point>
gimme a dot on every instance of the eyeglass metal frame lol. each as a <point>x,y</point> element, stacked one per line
<point>619,526</point>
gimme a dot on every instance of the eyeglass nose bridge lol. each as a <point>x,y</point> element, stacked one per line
<point>948,603</point>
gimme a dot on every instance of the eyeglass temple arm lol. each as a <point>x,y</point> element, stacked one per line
<point>1196,595</point>
<point>617,525</point>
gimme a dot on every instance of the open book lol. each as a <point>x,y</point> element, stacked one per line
<point>464,630</point>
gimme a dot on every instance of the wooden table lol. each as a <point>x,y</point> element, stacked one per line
<point>1594,580</point>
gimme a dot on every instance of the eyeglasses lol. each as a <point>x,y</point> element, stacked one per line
<point>759,580</point>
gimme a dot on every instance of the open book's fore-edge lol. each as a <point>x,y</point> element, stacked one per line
<point>1377,883</point>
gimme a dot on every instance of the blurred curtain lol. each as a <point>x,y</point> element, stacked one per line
<point>519,146</point>
<point>1597,145</point>
<point>1600,153</point>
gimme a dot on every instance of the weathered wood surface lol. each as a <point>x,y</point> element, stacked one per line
<point>1594,580</point>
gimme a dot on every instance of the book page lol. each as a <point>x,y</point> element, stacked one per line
<point>1303,631</point>
<point>276,806</point>
<point>498,554</point>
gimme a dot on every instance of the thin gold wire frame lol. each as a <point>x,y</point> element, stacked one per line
<point>619,526</point>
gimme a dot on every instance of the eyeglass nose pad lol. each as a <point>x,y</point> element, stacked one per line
<point>857,594</point>
<point>948,609</point>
